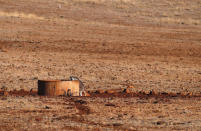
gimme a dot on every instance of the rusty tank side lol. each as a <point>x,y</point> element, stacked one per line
<point>58,87</point>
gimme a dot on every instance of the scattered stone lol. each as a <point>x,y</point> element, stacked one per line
<point>160,122</point>
<point>117,124</point>
<point>3,88</point>
<point>99,91</point>
<point>131,87</point>
<point>5,93</point>
<point>152,92</point>
<point>110,91</point>
<point>47,107</point>
<point>33,90</point>
<point>109,104</point>
<point>127,91</point>
<point>80,102</point>
<point>87,94</point>
<point>155,102</point>
<point>190,94</point>
<point>4,98</point>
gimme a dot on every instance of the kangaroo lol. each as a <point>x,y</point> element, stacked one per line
<point>81,86</point>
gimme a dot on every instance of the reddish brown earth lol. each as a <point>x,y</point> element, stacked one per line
<point>154,46</point>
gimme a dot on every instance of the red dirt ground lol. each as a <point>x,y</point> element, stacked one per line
<point>154,46</point>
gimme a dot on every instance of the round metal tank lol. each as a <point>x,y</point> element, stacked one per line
<point>58,87</point>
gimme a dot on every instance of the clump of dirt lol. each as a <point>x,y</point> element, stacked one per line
<point>21,92</point>
<point>108,93</point>
<point>128,93</point>
<point>110,104</point>
<point>81,106</point>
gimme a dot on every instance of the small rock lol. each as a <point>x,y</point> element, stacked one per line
<point>33,90</point>
<point>3,88</point>
<point>110,91</point>
<point>155,102</point>
<point>190,94</point>
<point>109,104</point>
<point>117,124</point>
<point>127,91</point>
<point>87,94</point>
<point>5,93</point>
<point>80,102</point>
<point>131,87</point>
<point>99,91</point>
<point>160,122</point>
<point>47,107</point>
<point>4,98</point>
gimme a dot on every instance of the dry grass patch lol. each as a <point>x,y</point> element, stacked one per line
<point>169,20</point>
<point>21,15</point>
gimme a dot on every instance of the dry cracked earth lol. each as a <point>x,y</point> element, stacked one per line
<point>154,46</point>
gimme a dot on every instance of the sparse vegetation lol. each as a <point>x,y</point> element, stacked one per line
<point>110,44</point>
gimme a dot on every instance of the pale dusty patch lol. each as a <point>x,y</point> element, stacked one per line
<point>178,20</point>
<point>102,1</point>
<point>21,14</point>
